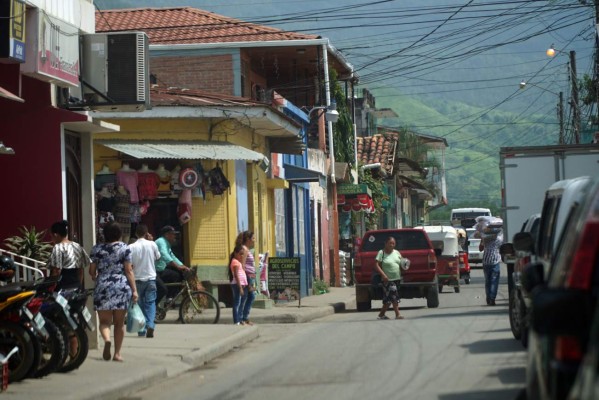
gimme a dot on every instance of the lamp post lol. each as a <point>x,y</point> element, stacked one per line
<point>560,108</point>
<point>551,52</point>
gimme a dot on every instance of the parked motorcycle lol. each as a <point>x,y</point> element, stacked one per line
<point>18,328</point>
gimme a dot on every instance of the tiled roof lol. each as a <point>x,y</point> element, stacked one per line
<point>378,149</point>
<point>177,25</point>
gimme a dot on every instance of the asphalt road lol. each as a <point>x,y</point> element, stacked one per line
<point>461,350</point>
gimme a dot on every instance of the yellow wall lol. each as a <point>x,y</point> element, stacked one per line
<point>212,230</point>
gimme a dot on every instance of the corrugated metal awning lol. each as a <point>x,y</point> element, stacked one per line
<point>183,150</point>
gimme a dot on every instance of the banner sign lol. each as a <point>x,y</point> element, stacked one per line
<point>284,278</point>
<point>349,189</point>
<point>53,50</point>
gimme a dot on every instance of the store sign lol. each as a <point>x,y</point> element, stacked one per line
<point>284,278</point>
<point>12,30</point>
<point>349,189</point>
<point>54,54</point>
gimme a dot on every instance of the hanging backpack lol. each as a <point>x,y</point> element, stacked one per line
<point>218,181</point>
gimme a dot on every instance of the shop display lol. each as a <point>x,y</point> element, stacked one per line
<point>127,195</point>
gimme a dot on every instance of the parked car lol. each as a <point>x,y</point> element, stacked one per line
<point>420,280</point>
<point>562,284</point>
<point>519,301</point>
<point>474,254</point>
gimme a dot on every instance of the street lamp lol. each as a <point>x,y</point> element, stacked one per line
<point>331,115</point>
<point>551,52</point>
<point>6,150</point>
<point>560,107</point>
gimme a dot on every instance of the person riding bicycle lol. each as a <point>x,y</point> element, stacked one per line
<point>169,268</point>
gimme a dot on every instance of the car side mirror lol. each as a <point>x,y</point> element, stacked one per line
<point>559,311</point>
<point>438,252</point>
<point>523,241</point>
<point>532,276</point>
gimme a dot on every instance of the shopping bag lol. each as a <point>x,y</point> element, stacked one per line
<point>135,319</point>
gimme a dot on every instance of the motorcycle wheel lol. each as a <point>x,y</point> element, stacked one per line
<point>37,354</point>
<point>199,307</point>
<point>54,350</point>
<point>20,363</point>
<point>74,361</point>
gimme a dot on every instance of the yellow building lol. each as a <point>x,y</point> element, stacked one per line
<point>187,129</point>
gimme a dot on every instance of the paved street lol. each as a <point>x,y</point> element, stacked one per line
<point>462,350</point>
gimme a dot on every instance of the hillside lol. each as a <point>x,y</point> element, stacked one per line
<point>449,69</point>
<point>472,158</point>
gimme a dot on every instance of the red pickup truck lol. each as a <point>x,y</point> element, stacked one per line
<point>418,281</point>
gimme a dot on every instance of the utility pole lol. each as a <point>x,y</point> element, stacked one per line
<point>560,116</point>
<point>575,107</point>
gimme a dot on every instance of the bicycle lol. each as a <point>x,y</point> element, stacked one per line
<point>197,305</point>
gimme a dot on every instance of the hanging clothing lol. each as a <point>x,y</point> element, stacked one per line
<point>129,180</point>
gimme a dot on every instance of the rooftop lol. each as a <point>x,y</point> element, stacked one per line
<point>178,25</point>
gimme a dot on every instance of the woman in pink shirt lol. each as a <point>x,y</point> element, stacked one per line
<point>238,281</point>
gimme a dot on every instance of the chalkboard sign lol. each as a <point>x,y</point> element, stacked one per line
<point>284,278</point>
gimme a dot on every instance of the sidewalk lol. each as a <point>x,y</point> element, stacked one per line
<point>175,349</point>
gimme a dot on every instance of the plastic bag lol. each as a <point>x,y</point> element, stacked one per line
<point>135,319</point>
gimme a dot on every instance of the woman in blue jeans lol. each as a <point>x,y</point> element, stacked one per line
<point>238,281</point>
<point>247,239</point>
<point>491,259</point>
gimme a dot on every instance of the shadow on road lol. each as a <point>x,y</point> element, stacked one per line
<point>494,346</point>
<point>503,394</point>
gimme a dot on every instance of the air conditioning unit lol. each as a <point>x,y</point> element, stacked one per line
<point>115,73</point>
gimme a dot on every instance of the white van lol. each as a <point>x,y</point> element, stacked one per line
<point>465,217</point>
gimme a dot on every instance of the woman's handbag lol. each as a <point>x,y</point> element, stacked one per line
<point>135,319</point>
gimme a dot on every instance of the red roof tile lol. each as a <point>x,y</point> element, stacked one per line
<point>189,25</point>
<point>378,149</point>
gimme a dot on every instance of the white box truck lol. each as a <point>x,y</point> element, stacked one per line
<point>527,172</point>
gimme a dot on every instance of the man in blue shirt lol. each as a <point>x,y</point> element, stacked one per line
<point>169,268</point>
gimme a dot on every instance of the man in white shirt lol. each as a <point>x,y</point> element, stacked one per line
<point>144,254</point>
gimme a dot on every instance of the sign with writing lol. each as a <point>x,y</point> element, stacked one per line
<point>52,50</point>
<point>349,189</point>
<point>284,278</point>
<point>12,27</point>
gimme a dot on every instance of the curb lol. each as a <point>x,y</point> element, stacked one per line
<point>120,389</point>
<point>199,357</point>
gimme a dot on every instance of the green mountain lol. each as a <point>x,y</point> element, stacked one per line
<point>474,136</point>
<point>449,68</point>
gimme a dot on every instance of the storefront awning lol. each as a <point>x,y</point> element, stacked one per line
<point>183,150</point>
<point>10,96</point>
<point>296,174</point>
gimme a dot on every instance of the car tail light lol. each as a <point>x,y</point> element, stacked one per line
<point>583,261</point>
<point>432,260</point>
<point>567,348</point>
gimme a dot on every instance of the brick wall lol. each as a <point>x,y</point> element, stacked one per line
<point>209,73</point>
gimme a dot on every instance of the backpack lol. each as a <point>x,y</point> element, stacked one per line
<point>217,180</point>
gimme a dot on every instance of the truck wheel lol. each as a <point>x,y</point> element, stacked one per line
<point>363,302</point>
<point>456,289</point>
<point>432,297</point>
<point>515,315</point>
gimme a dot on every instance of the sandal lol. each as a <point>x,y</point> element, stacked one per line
<point>399,317</point>
<point>248,322</point>
<point>382,317</point>
<point>106,353</point>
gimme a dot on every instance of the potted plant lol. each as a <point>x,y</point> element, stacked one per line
<point>30,244</point>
